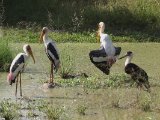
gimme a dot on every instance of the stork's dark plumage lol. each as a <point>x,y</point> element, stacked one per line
<point>136,73</point>
<point>52,53</point>
<point>17,66</point>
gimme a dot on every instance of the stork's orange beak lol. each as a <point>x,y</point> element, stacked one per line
<point>98,34</point>
<point>41,36</point>
<point>31,53</point>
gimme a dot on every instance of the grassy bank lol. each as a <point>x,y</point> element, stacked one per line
<point>31,35</point>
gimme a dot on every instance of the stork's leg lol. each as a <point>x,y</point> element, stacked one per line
<point>139,86</point>
<point>16,85</point>
<point>51,74</point>
<point>20,85</point>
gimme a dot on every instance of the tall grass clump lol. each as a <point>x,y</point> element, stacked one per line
<point>5,56</point>
<point>67,64</point>
<point>145,103</point>
<point>52,112</point>
<point>8,110</point>
<point>81,109</point>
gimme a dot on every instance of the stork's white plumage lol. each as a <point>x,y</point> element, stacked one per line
<point>104,57</point>
<point>17,66</point>
<point>51,51</point>
<point>105,40</point>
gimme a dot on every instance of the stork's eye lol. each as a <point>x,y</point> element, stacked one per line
<point>44,30</point>
<point>28,48</point>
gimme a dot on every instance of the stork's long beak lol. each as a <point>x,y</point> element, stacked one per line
<point>31,53</point>
<point>41,36</point>
<point>123,56</point>
<point>98,34</point>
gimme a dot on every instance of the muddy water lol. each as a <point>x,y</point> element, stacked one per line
<point>100,103</point>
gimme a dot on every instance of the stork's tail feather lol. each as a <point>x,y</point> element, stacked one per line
<point>10,78</point>
<point>56,66</point>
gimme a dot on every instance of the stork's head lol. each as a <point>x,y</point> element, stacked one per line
<point>129,53</point>
<point>27,49</point>
<point>101,27</point>
<point>44,31</point>
<point>10,78</point>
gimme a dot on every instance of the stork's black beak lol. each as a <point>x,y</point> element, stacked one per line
<point>123,56</point>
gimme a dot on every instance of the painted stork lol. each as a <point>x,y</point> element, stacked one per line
<point>17,66</point>
<point>106,56</point>
<point>136,73</point>
<point>52,53</point>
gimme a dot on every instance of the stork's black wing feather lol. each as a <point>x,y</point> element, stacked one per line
<point>17,63</point>
<point>53,50</point>
<point>137,74</point>
<point>131,67</point>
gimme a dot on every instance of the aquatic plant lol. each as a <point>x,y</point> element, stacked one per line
<point>81,109</point>
<point>8,110</point>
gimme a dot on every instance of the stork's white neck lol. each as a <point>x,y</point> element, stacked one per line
<point>45,38</point>
<point>26,52</point>
<point>128,60</point>
<point>101,31</point>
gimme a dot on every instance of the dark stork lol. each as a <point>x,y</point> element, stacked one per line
<point>52,53</point>
<point>17,66</point>
<point>136,73</point>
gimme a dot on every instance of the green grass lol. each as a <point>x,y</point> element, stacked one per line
<point>32,36</point>
<point>5,55</point>
<point>8,110</point>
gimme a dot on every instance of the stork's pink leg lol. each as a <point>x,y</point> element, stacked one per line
<point>20,85</point>
<point>16,85</point>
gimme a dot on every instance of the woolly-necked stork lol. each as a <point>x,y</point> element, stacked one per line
<point>106,56</point>
<point>17,66</point>
<point>52,53</point>
<point>136,73</point>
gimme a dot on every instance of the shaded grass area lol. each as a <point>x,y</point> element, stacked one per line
<point>72,15</point>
